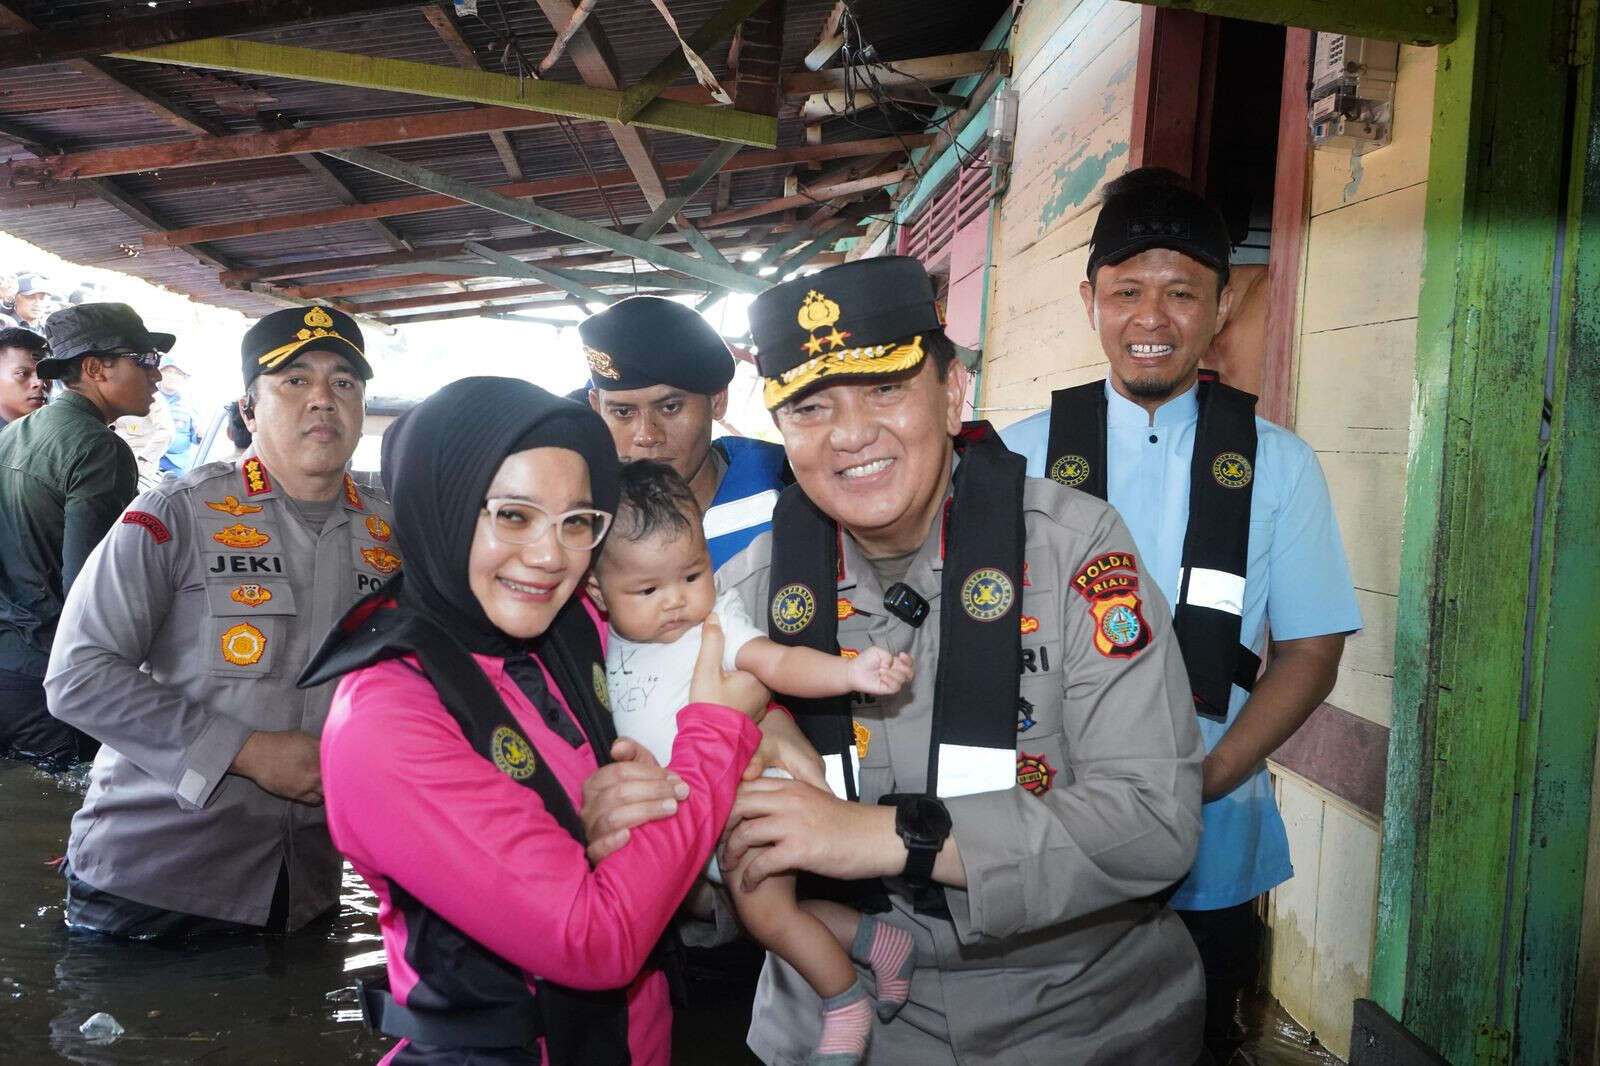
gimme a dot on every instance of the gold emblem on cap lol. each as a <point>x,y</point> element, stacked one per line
<point>317,318</point>
<point>600,362</point>
<point>819,312</point>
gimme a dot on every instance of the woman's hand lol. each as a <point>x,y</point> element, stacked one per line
<point>629,792</point>
<point>785,747</point>
<point>713,684</point>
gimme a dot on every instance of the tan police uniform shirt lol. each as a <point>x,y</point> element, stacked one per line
<point>1052,954</point>
<point>185,634</point>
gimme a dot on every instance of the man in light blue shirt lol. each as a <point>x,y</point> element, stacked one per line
<point>1156,296</point>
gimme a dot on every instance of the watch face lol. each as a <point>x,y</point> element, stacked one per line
<point>926,819</point>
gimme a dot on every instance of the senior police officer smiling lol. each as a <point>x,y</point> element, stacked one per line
<point>659,377</point>
<point>1039,780</point>
<point>178,650</point>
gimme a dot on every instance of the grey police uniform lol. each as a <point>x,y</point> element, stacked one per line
<point>1052,953</point>
<point>184,635</point>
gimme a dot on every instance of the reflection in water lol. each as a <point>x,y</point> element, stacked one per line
<point>225,999</point>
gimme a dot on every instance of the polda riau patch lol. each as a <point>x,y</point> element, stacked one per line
<point>1231,470</point>
<point>1070,470</point>
<point>243,644</point>
<point>512,753</point>
<point>793,607</point>
<point>1120,629</point>
<point>986,594</point>
<point>1034,773</point>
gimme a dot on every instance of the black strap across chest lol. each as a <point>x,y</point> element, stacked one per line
<point>1208,608</point>
<point>979,617</point>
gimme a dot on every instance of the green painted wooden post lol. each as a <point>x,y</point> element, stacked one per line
<point>1489,784</point>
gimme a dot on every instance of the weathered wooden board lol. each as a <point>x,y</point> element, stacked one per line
<point>1366,490</point>
<point>1366,673</point>
<point>1354,389</point>
<point>1347,899</point>
<point>1293,905</point>
<point>1364,262</point>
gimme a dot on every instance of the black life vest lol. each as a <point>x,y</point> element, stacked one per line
<point>1209,607</point>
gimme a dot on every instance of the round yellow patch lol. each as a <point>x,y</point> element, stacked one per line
<point>986,594</point>
<point>1231,470</point>
<point>1070,470</point>
<point>512,753</point>
<point>243,644</point>
<point>793,608</point>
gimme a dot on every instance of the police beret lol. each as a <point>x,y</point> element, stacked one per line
<point>282,335</point>
<point>650,340</point>
<point>853,320</point>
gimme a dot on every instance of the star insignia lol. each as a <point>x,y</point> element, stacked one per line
<point>835,339</point>
<point>813,346</point>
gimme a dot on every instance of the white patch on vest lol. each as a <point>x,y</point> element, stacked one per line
<point>1217,589</point>
<point>833,771</point>
<point>735,515</point>
<point>965,770</point>
<point>191,786</point>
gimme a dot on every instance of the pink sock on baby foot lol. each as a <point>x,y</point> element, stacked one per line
<point>886,949</point>
<point>846,1025</point>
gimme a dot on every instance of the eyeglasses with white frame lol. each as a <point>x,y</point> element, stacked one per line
<point>515,521</point>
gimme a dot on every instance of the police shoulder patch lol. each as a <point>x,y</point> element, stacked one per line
<point>149,523</point>
<point>793,607</point>
<point>512,753</point>
<point>1035,773</point>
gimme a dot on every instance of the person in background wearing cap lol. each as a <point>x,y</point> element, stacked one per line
<point>660,379</point>
<point>34,302</point>
<point>22,391</point>
<point>1038,782</point>
<point>180,648</point>
<point>1232,516</point>
<point>64,478</point>
<point>180,453</point>
<point>8,296</point>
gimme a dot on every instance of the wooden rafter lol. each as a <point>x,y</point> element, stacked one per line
<point>451,83</point>
<point>100,36</point>
<point>809,196</point>
<point>409,205</point>
<point>444,24</point>
<point>641,96</point>
<point>830,38</point>
<point>931,70</point>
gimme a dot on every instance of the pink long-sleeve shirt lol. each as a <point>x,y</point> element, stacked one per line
<point>411,804</point>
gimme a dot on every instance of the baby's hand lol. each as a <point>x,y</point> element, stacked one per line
<point>879,672</point>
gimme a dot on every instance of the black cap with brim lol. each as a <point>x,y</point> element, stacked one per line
<point>74,332</point>
<point>1151,213</point>
<point>862,319</point>
<point>649,340</point>
<point>274,341</point>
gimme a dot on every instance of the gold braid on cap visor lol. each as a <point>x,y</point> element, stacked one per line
<point>853,362</point>
<point>281,354</point>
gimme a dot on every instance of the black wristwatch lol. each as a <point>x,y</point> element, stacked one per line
<point>923,823</point>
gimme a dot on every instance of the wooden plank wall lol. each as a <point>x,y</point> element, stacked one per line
<point>1073,67</point>
<point>1353,391</point>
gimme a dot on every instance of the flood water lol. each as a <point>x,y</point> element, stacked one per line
<point>230,999</point>
<point>261,999</point>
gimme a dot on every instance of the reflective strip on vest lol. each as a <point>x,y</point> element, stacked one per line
<point>1216,589</point>
<point>833,772</point>
<point>965,770</point>
<point>731,517</point>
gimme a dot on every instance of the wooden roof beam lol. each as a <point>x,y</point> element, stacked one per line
<point>930,70</point>
<point>1406,21</point>
<point>830,38</point>
<point>100,36</point>
<point>814,194</point>
<point>443,21</point>
<point>642,95</point>
<point>451,83</point>
<point>408,205</point>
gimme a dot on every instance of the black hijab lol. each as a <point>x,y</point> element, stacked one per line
<point>438,461</point>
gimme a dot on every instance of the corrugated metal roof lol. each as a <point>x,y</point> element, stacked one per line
<point>69,109</point>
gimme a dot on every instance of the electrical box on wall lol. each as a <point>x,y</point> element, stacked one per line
<point>1352,91</point>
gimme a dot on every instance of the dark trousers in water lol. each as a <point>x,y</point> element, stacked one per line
<point>1229,942</point>
<point>28,732</point>
<point>94,911</point>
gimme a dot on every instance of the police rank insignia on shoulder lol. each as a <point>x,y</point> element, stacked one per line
<point>512,753</point>
<point>382,560</point>
<point>378,529</point>
<point>1034,773</point>
<point>793,607</point>
<point>352,495</point>
<point>1231,470</point>
<point>251,595</point>
<point>243,644</point>
<point>986,594</point>
<point>230,505</point>
<point>1070,470</point>
<point>602,691</point>
<point>240,535</point>
<point>1110,584</point>
<point>863,738</point>
<point>255,477</point>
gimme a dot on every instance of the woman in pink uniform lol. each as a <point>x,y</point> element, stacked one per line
<point>473,709</point>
